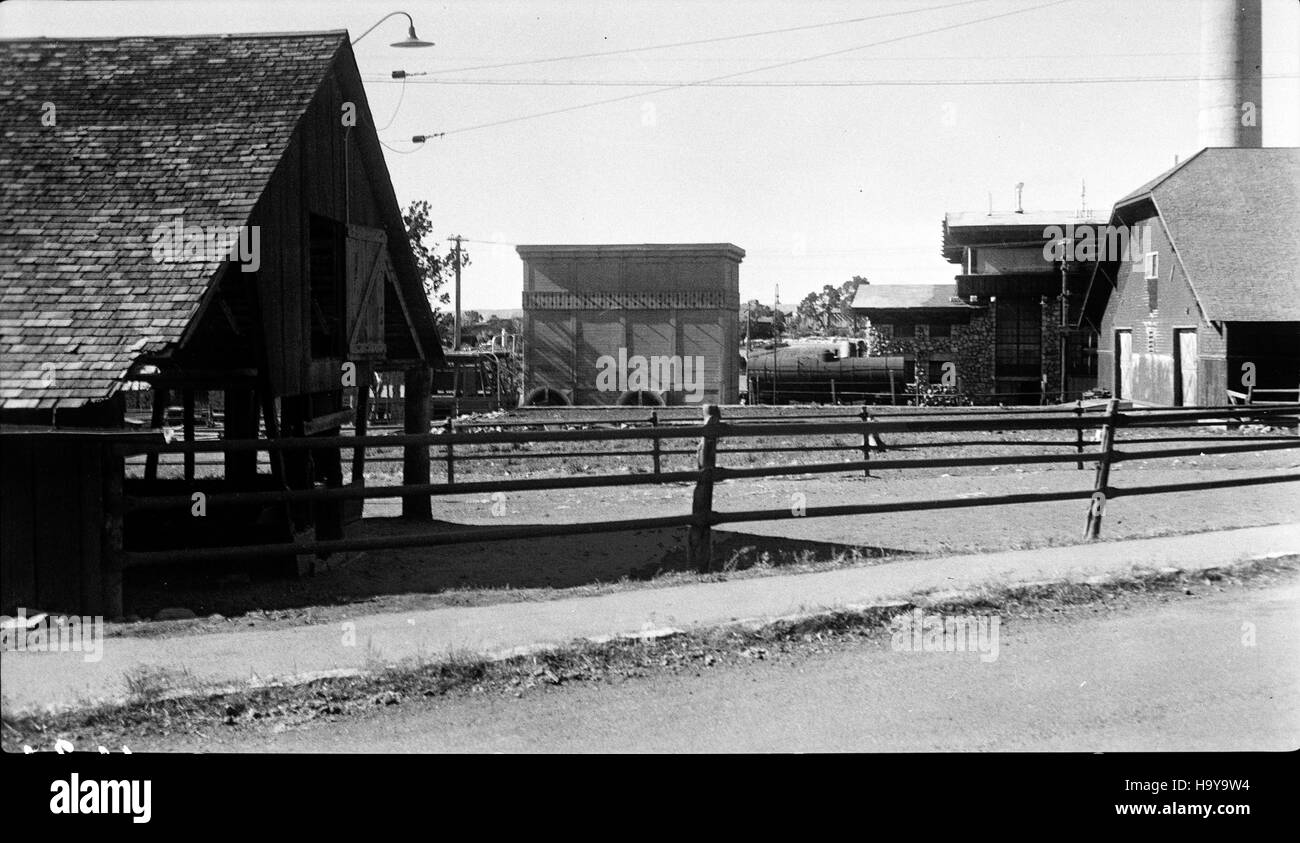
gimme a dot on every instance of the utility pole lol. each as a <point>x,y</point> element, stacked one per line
<point>455,331</point>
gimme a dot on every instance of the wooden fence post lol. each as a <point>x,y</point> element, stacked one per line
<point>1078,433</point>
<point>654,422</point>
<point>866,440</point>
<point>415,458</point>
<point>1097,505</point>
<point>700,538</point>
<point>451,456</point>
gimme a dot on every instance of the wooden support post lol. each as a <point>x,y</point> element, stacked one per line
<point>156,419</point>
<point>1078,433</point>
<point>415,462</point>
<point>187,399</point>
<point>893,390</point>
<point>362,423</point>
<point>700,537</point>
<point>113,549</point>
<point>1101,486</point>
<point>833,401</point>
<point>451,453</point>
<point>654,422</point>
<point>240,423</point>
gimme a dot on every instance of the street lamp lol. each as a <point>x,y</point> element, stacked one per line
<point>411,39</point>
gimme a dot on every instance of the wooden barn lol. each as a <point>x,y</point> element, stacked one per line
<point>1214,291</point>
<point>197,214</point>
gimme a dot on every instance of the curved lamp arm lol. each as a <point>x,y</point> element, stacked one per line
<point>412,40</point>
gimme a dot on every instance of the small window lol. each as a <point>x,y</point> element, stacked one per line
<point>1151,264</point>
<point>941,329</point>
<point>905,329</point>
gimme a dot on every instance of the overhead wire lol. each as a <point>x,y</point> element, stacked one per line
<point>788,63</point>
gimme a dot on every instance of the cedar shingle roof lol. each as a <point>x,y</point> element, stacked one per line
<point>1232,215</point>
<point>146,129</point>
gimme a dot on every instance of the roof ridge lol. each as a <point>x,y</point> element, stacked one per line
<point>45,39</point>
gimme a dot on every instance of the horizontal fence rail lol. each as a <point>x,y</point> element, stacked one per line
<point>868,425</point>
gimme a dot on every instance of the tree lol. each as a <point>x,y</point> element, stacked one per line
<point>470,318</point>
<point>848,292</point>
<point>435,269</point>
<point>819,309</point>
<point>754,308</point>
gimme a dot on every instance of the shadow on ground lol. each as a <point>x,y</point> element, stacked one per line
<point>565,562</point>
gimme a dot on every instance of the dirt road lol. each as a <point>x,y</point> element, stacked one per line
<point>1218,670</point>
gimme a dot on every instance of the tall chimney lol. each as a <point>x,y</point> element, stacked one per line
<point>1231,74</point>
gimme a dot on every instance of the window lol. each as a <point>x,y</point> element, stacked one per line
<point>1018,344</point>
<point>905,329</point>
<point>1151,265</point>
<point>327,288</point>
<point>941,329</point>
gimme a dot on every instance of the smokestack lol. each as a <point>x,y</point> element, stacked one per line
<point>1231,74</point>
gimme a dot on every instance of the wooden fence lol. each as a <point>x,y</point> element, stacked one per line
<point>707,436</point>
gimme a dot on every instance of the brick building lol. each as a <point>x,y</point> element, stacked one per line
<point>1216,287</point>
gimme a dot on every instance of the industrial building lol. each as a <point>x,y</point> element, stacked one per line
<point>631,324</point>
<point>1009,320</point>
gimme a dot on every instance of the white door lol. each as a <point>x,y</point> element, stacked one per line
<point>1187,367</point>
<point>1124,364</point>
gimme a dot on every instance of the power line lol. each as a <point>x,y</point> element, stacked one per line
<point>726,76</point>
<point>827,83</point>
<point>700,41</point>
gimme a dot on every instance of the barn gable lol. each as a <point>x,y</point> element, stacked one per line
<point>111,144</point>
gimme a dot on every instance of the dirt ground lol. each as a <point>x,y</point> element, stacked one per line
<point>534,569</point>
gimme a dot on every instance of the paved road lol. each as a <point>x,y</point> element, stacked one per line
<point>35,680</point>
<point>1153,675</point>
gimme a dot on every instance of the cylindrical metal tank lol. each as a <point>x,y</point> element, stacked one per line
<point>802,372</point>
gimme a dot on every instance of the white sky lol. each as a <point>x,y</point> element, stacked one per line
<point>817,183</point>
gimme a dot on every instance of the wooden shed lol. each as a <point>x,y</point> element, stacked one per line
<point>199,214</point>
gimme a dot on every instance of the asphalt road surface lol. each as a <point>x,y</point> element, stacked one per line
<point>1218,670</point>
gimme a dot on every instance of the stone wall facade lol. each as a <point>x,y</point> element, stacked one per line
<point>969,346</point>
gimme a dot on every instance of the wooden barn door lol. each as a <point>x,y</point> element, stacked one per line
<point>1124,364</point>
<point>369,270</point>
<point>1186,368</point>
